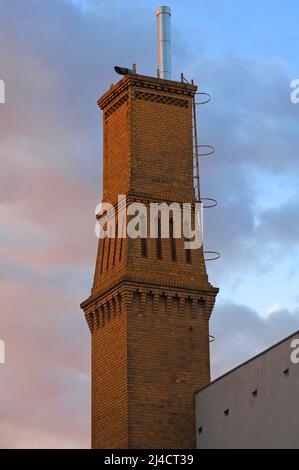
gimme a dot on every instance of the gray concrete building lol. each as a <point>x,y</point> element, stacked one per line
<point>255,405</point>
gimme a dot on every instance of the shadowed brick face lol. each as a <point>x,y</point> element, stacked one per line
<point>150,302</point>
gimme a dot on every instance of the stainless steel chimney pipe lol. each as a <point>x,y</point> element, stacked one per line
<point>164,54</point>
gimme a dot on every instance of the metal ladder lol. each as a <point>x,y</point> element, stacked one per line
<point>200,150</point>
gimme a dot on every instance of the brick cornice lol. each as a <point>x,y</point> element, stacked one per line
<point>125,281</point>
<point>150,83</point>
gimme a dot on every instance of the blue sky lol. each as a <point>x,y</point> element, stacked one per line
<point>57,58</point>
<point>251,29</point>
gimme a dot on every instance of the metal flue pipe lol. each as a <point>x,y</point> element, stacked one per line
<point>164,53</point>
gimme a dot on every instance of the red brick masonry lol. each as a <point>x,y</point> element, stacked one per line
<point>149,307</point>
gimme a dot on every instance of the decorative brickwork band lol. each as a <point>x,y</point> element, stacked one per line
<point>139,95</point>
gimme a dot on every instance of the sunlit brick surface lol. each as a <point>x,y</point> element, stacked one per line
<point>148,314</point>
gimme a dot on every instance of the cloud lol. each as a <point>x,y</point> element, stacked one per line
<point>46,369</point>
<point>282,222</point>
<point>28,401</point>
<point>241,333</point>
<point>254,173</point>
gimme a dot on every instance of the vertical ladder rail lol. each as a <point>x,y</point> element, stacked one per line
<point>200,150</point>
<point>195,153</point>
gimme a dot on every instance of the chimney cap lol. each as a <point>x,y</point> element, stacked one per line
<point>163,9</point>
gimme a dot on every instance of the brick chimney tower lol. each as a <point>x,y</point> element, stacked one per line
<point>151,300</point>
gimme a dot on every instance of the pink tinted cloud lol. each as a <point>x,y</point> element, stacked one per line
<point>44,396</point>
<point>47,196</point>
<point>60,209</point>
